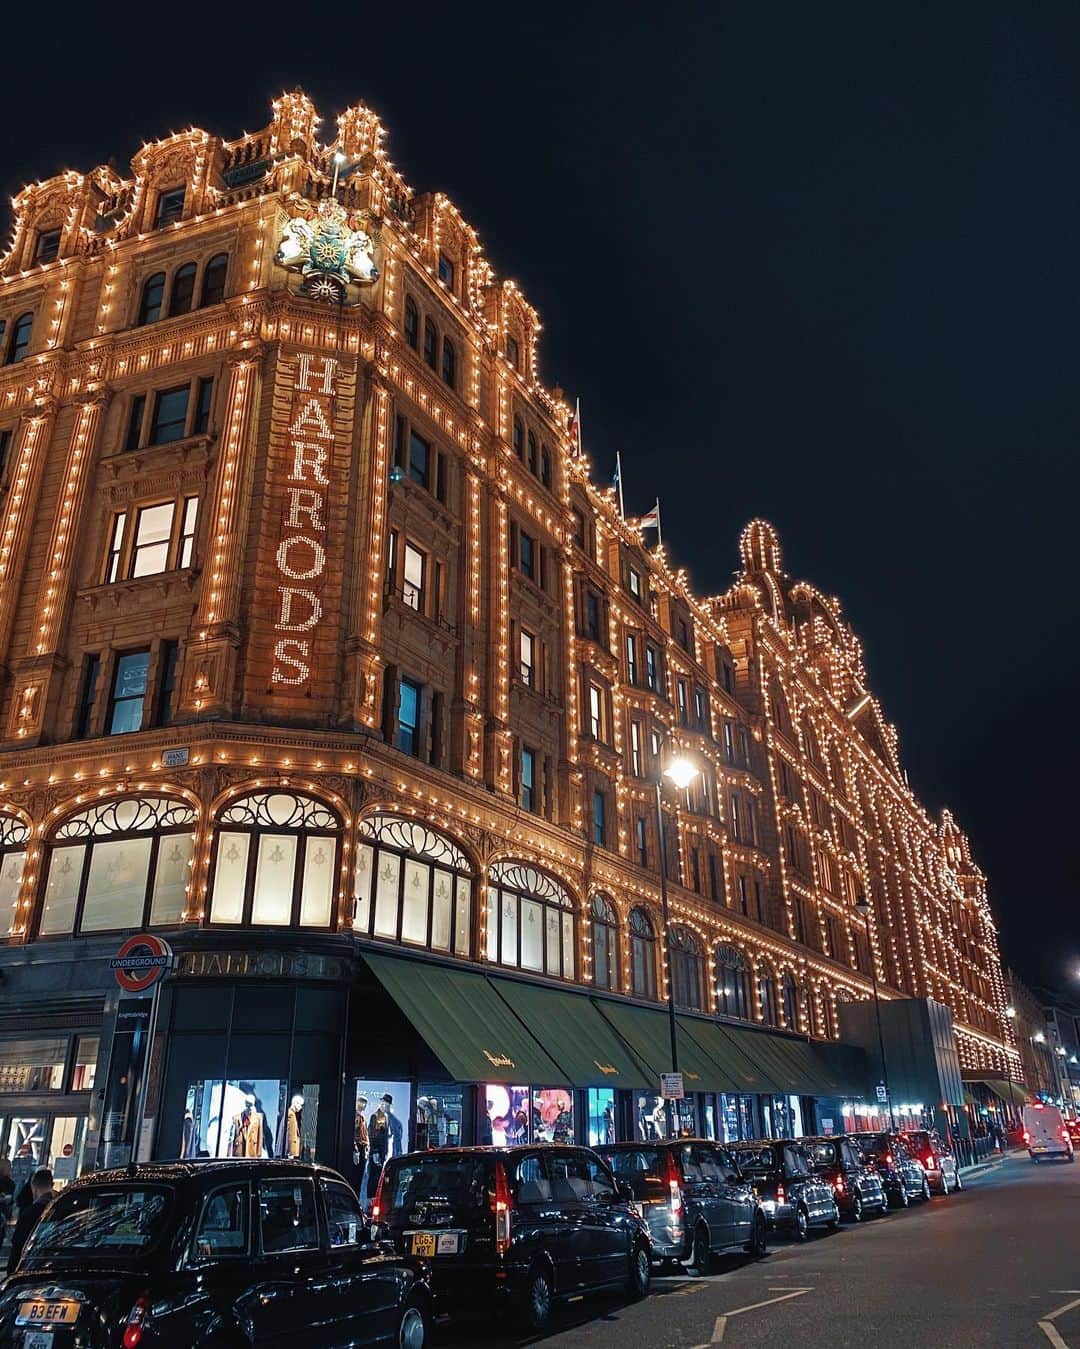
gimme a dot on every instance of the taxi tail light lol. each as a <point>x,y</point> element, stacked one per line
<point>136,1323</point>
<point>1027,1137</point>
<point>888,1159</point>
<point>674,1185</point>
<point>781,1193</point>
<point>502,1205</point>
<point>838,1184</point>
<point>377,1206</point>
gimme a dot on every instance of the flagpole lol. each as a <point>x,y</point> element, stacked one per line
<point>618,472</point>
<point>577,419</point>
<point>659,534</point>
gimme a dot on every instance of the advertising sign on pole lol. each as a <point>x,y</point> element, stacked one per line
<point>671,1086</point>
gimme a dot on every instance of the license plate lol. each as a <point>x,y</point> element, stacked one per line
<point>38,1311</point>
<point>37,1339</point>
<point>423,1243</point>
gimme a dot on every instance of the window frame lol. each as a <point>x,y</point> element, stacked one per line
<point>551,897</point>
<point>19,339</point>
<point>111,705</point>
<point>644,945</point>
<point>166,209</point>
<point>687,958</point>
<point>602,915</point>
<point>735,1003</point>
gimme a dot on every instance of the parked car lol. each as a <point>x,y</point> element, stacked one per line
<point>1073,1128</point>
<point>794,1198</point>
<point>527,1225</point>
<point>856,1187</point>
<point>937,1159</point>
<point>693,1196</point>
<point>215,1253</point>
<point>902,1176</point>
<point>1045,1133</point>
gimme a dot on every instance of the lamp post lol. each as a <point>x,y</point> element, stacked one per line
<point>862,906</point>
<point>1010,1014</point>
<point>680,772</point>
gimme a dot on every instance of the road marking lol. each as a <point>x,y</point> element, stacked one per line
<point>1053,1316</point>
<point>720,1328</point>
<point>1051,1334</point>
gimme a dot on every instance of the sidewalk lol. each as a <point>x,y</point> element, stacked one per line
<point>990,1163</point>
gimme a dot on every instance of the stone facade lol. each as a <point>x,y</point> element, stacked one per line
<point>267,531</point>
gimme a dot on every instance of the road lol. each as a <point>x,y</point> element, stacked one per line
<point>983,1267</point>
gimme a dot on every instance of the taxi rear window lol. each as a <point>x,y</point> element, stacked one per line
<point>103,1223</point>
<point>461,1183</point>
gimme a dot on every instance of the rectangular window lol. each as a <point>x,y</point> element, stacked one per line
<point>528,779</point>
<point>135,421</point>
<point>204,397</point>
<point>736,820</point>
<point>714,877</point>
<point>116,546</point>
<point>744,896</point>
<point>128,692</point>
<point>680,698</point>
<point>288,1219</point>
<point>642,840</point>
<point>596,712</point>
<point>592,616</point>
<point>170,205</point>
<point>153,530</point>
<point>701,709</point>
<point>419,459</point>
<point>650,667</point>
<point>527,555</point>
<point>729,677</point>
<point>446,271</point>
<point>527,657</point>
<point>412,583</point>
<point>186,550</point>
<point>408,728</point>
<point>223,1229</point>
<point>695,870</point>
<point>86,701</point>
<point>579,528</point>
<point>48,246</point>
<point>599,807</point>
<point>633,579</point>
<point>5,443</point>
<point>636,760</point>
<point>682,633</point>
<point>631,658</point>
<point>170,415</point>
<point>170,652</point>
<point>512,352</point>
<point>729,741</point>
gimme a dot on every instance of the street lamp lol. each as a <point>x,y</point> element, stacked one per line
<point>680,772</point>
<point>1010,1014</point>
<point>862,906</point>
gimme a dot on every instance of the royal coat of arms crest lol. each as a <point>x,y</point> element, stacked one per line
<point>328,246</point>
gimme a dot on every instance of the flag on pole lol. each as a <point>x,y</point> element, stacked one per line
<point>616,482</point>
<point>651,520</point>
<point>574,426</point>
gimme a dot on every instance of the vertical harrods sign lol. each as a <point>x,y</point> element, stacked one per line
<point>297,599</point>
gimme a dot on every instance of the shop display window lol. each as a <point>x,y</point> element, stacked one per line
<point>506,1112</point>
<point>13,837</point>
<point>439,1115</point>
<point>552,1115</point>
<point>380,1131</point>
<point>84,1069</point>
<point>238,1118</point>
<point>601,1102</point>
<point>33,1065</point>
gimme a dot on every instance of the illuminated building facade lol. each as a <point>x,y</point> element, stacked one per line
<point>321,648</point>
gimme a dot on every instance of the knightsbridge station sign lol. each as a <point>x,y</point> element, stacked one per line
<point>300,556</point>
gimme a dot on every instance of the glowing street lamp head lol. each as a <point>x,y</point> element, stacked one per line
<point>680,771</point>
<point>1040,1038</point>
<point>1010,1012</point>
<point>339,158</point>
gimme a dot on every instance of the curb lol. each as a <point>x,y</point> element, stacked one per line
<point>979,1167</point>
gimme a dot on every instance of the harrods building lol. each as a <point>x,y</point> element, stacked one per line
<point>323,658</point>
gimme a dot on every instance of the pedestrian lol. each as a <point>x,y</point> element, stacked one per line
<point>41,1186</point>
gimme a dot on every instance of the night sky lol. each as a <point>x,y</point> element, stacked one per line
<point>816,263</point>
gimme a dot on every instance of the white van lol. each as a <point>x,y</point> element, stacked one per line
<point>1045,1133</point>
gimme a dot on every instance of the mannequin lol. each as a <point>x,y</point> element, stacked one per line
<point>187,1136</point>
<point>360,1136</point>
<point>246,1132</point>
<point>290,1131</point>
<point>384,1138</point>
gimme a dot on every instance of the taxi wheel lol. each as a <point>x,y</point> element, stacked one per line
<point>537,1305</point>
<point>802,1223</point>
<point>958,1185</point>
<point>925,1190</point>
<point>412,1328</point>
<point>856,1207</point>
<point>702,1256</point>
<point>637,1284</point>
<point>902,1199</point>
<point>759,1236</point>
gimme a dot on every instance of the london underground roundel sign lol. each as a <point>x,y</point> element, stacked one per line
<point>141,962</point>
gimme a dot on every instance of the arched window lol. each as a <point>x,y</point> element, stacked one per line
<point>13,839</point>
<point>605,942</point>
<point>152,298</point>
<point>449,363</point>
<point>276,860</point>
<point>789,997</point>
<point>531,460</point>
<point>808,1003</point>
<point>642,955</point>
<point>183,290</point>
<point>732,983</point>
<point>213,280</point>
<point>687,969</point>
<point>519,438</point>
<point>412,323</point>
<point>779,709</point>
<point>767,997</point>
<point>19,342</point>
<point>530,920</point>
<point>431,343</point>
<point>828,1015</point>
<point>412,885</point>
<point>119,865</point>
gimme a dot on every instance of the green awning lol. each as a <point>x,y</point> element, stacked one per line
<point>1008,1091</point>
<point>647,1034</point>
<point>468,1027</point>
<point>846,1070</point>
<point>742,1074</point>
<point>575,1035</point>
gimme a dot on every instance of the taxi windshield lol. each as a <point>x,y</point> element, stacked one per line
<point>124,1221</point>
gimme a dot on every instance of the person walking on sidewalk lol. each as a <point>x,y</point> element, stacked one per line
<point>41,1187</point>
